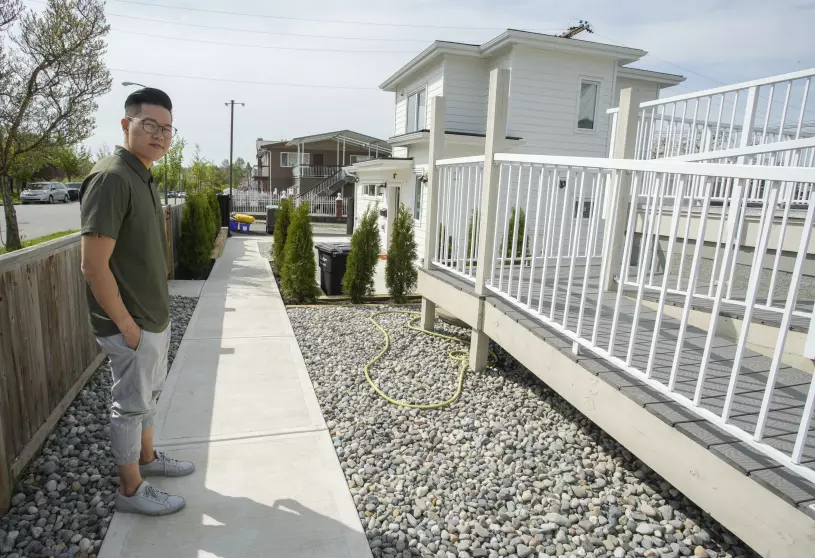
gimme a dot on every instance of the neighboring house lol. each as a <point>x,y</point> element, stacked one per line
<point>560,89</point>
<point>298,165</point>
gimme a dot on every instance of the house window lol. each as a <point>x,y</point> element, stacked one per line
<point>587,106</point>
<point>416,111</point>
<point>370,190</point>
<point>289,159</point>
<point>358,158</point>
<point>417,201</point>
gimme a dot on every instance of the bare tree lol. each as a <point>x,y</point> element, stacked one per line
<point>49,82</point>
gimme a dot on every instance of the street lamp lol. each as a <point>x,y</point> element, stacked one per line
<point>129,83</point>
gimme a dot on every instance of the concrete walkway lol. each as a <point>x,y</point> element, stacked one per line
<point>239,403</point>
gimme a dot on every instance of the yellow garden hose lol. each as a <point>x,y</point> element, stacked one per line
<point>459,355</point>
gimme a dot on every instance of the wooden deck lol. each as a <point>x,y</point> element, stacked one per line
<point>788,399</point>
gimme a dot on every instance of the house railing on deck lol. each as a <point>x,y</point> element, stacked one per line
<point>713,124</point>
<point>567,203</point>
<point>671,230</point>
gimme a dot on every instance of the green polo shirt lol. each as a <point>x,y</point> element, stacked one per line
<point>119,200</point>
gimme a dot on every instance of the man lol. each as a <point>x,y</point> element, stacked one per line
<point>124,254</point>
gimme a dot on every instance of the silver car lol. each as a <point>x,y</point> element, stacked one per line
<point>45,192</point>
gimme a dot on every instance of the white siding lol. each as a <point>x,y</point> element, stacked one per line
<point>648,91</point>
<point>400,152</point>
<point>543,101</point>
<point>465,94</point>
<point>431,79</point>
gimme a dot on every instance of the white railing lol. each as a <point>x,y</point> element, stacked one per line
<point>313,171</point>
<point>326,206</point>
<point>460,183</point>
<point>553,278</point>
<point>255,202</point>
<point>772,110</point>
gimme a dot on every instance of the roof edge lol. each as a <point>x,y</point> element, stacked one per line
<point>650,75</point>
<point>427,55</point>
<point>512,36</point>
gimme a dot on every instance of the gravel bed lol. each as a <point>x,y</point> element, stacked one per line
<point>510,469</point>
<point>64,502</point>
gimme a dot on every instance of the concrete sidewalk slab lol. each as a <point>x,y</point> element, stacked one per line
<point>266,498</point>
<point>239,315</point>
<point>279,399</point>
<point>239,403</point>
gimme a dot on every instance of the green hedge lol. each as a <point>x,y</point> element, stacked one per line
<point>400,271</point>
<point>299,268</point>
<point>281,231</point>
<point>197,236</point>
<point>358,281</point>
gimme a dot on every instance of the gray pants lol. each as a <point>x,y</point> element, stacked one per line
<point>138,378</point>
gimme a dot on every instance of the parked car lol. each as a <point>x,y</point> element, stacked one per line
<point>45,192</point>
<point>73,189</point>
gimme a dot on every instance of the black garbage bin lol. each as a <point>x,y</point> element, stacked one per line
<point>223,201</point>
<point>332,259</point>
<point>271,215</point>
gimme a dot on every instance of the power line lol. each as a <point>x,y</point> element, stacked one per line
<point>219,28</point>
<point>339,21</point>
<point>247,82</point>
<point>369,51</point>
<point>666,62</point>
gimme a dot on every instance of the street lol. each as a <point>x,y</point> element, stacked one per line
<point>39,220</point>
<point>42,219</point>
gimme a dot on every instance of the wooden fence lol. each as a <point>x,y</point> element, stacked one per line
<point>47,349</point>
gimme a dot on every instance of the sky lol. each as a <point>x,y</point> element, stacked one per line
<point>294,85</point>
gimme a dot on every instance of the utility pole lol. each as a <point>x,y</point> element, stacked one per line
<point>575,29</point>
<point>231,104</point>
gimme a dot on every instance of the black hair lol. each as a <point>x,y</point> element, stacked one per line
<point>147,96</point>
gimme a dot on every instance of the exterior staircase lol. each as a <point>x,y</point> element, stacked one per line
<point>326,187</point>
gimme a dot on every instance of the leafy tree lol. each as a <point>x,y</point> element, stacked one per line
<point>102,151</point>
<point>358,281</point>
<point>281,230</point>
<point>30,163</point>
<point>74,161</point>
<point>400,272</point>
<point>49,82</point>
<point>300,269</point>
<point>173,162</point>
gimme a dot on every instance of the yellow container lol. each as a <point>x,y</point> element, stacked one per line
<point>241,218</point>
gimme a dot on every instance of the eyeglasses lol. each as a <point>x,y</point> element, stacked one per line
<point>151,127</point>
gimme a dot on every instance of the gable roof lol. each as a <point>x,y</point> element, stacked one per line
<point>623,55</point>
<point>348,135</point>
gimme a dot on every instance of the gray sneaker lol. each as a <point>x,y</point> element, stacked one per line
<point>149,501</point>
<point>163,466</point>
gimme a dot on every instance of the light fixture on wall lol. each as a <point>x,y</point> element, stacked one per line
<point>423,179</point>
<point>402,93</point>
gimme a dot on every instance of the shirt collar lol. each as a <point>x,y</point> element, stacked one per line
<point>134,163</point>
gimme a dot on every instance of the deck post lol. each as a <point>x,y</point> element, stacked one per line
<point>625,141</point>
<point>436,152</point>
<point>496,133</point>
